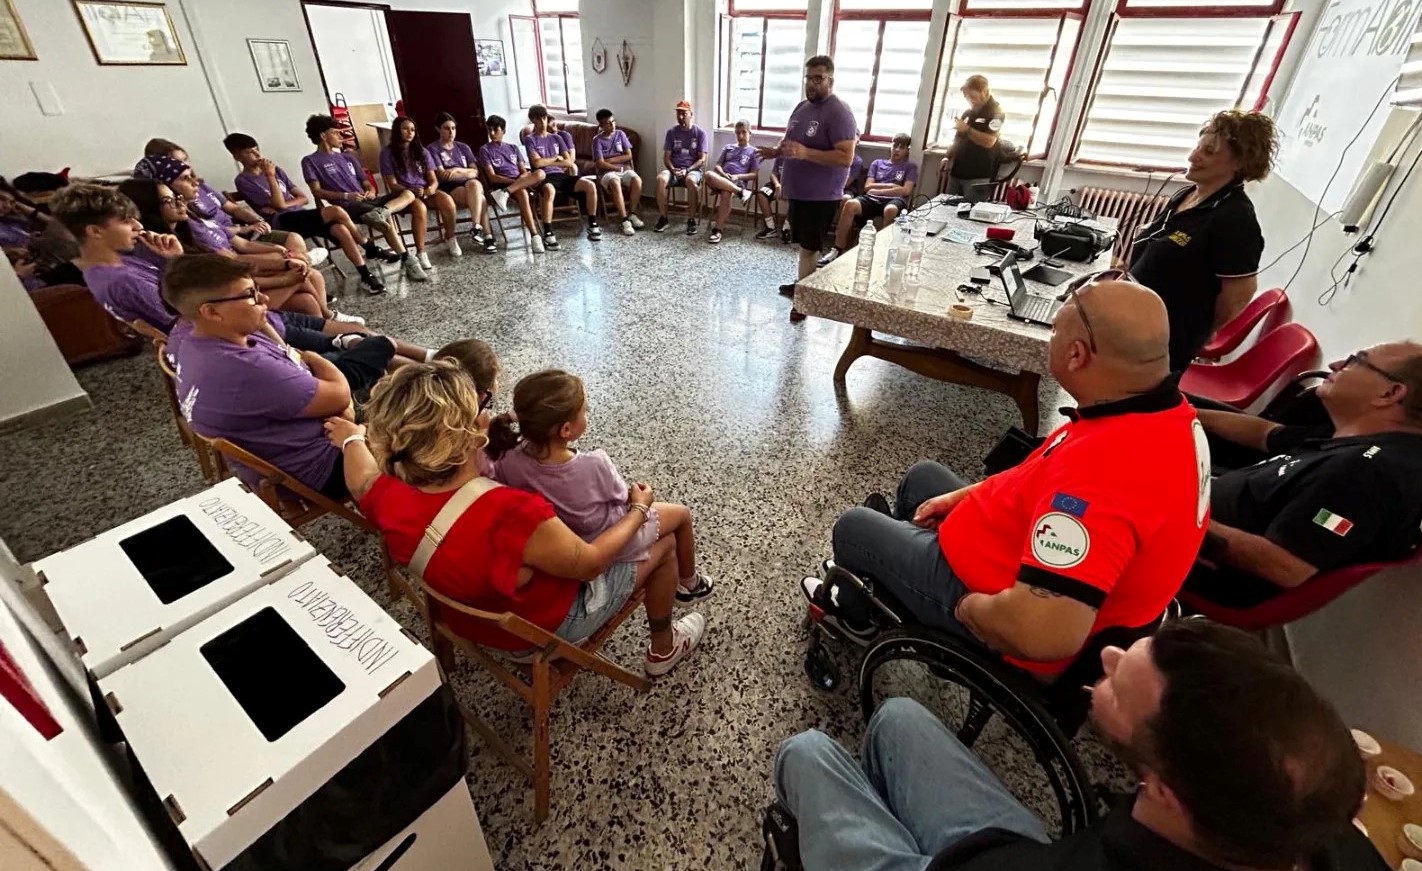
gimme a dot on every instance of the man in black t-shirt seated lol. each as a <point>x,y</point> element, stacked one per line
<point>974,149</point>
<point>1241,765</point>
<point>1326,499</point>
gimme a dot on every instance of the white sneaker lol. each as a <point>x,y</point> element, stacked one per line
<point>537,244</point>
<point>686,634</point>
<point>343,318</point>
<point>636,222</point>
<point>452,246</point>
<point>414,271</point>
<point>627,227</point>
<point>828,258</point>
<point>318,255</point>
<point>346,341</point>
<point>501,200</point>
<point>424,258</point>
<point>746,194</point>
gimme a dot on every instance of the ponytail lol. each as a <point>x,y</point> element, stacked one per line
<point>503,437</point>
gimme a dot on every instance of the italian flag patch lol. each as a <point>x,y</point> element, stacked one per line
<point>1334,523</point>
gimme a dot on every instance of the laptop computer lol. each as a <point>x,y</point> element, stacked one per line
<point>1021,304</point>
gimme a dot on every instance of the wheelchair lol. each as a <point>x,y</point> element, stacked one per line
<point>1043,716</point>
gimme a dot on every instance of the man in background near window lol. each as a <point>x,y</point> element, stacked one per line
<point>815,155</point>
<point>684,156</point>
<point>975,143</point>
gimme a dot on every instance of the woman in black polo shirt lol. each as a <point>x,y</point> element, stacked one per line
<point>1201,253</point>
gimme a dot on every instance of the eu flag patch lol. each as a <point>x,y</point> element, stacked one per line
<point>1069,505</point>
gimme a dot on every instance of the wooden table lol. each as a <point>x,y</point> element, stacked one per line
<point>991,351</point>
<point>1385,818</point>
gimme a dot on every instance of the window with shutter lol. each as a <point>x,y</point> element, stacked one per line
<point>878,53</point>
<point>762,62</point>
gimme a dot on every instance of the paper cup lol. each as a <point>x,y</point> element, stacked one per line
<point>1409,840</point>
<point>960,311</point>
<point>1410,865</point>
<point>1368,746</point>
<point>1392,784</point>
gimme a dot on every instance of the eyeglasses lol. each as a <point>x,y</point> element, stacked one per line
<point>485,397</point>
<point>1361,359</point>
<point>1086,281</point>
<point>250,296</point>
<point>818,79</point>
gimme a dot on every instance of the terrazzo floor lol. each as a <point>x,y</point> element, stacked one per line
<point>698,385</point>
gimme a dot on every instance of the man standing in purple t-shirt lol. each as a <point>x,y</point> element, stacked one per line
<point>886,193</point>
<point>815,156</point>
<point>684,156</point>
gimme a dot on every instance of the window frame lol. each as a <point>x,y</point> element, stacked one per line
<point>1273,14</point>
<point>537,18</point>
<point>725,29</point>
<point>883,16</point>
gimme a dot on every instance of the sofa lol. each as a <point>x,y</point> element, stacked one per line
<point>583,133</point>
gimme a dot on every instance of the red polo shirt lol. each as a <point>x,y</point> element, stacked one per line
<point>1110,511</point>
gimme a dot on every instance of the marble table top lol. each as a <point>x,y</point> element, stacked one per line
<point>922,315</point>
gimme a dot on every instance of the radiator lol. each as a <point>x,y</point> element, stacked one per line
<point>1131,208</point>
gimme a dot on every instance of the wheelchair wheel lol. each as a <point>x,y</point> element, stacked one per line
<point>990,712</point>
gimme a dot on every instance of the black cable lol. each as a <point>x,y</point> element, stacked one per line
<point>1364,246</point>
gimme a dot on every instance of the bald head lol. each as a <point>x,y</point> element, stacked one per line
<point>1129,322</point>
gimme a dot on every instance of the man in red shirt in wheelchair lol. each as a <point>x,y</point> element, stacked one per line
<point>1326,498</point>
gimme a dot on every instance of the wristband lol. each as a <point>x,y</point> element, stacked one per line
<point>354,437</point>
<point>638,507</point>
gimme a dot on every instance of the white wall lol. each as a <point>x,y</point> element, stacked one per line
<point>26,346</point>
<point>642,104</point>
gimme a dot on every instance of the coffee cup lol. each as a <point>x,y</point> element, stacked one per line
<point>960,311</point>
<point>1368,746</point>
<point>1392,784</point>
<point>1410,865</point>
<point>1409,840</point>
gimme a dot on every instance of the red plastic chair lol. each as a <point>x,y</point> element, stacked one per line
<point>1275,358</point>
<point>1270,307</point>
<point>1292,604</point>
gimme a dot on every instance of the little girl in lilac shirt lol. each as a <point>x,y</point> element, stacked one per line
<point>550,412</point>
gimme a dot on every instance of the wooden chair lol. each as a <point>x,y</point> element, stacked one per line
<point>552,667</point>
<point>209,463</point>
<point>296,502</point>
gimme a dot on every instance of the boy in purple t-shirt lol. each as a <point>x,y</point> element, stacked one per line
<point>684,156</point>
<point>612,154</point>
<point>552,151</point>
<point>270,191</point>
<point>886,193</point>
<point>507,174</point>
<point>735,174</point>
<point>764,197</point>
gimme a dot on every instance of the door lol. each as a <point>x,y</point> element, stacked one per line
<point>438,71</point>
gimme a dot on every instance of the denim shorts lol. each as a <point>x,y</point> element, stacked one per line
<point>598,600</point>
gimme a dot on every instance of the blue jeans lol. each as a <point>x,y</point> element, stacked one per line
<point>906,559</point>
<point>918,791</point>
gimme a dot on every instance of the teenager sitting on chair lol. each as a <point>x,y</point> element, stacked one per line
<point>684,158</point>
<point>338,177</point>
<point>239,381</point>
<point>405,166</point>
<point>768,193</point>
<point>506,550</point>
<point>612,155</point>
<point>458,172</point>
<point>267,188</point>
<point>886,193</point>
<point>734,175</point>
<point>552,152</point>
<point>508,175</point>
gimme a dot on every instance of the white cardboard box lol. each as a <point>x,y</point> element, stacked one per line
<point>446,837</point>
<point>114,615</point>
<point>332,671</point>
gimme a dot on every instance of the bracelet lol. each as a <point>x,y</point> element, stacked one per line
<point>354,437</point>
<point>638,507</point>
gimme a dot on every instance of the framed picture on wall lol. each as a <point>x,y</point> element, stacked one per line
<point>130,33</point>
<point>490,55</point>
<point>276,71</point>
<point>14,42</point>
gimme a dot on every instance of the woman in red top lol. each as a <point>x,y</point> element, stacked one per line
<point>507,551</point>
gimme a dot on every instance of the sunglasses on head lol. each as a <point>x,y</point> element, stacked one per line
<point>1086,281</point>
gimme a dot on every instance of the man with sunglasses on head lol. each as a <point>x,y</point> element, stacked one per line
<point>1326,499</point>
<point>1096,529</point>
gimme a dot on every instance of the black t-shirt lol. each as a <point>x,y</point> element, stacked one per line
<point>971,160</point>
<point>1119,843</point>
<point>1183,257</point>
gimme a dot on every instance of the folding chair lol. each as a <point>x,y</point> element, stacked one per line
<point>553,665</point>
<point>324,241</point>
<point>297,503</point>
<point>209,463</point>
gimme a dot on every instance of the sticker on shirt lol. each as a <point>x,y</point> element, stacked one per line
<point>812,129</point>
<point>1204,479</point>
<point>1059,540</point>
<point>1179,238</point>
<point>1069,504</point>
<point>995,124</point>
<point>1334,523</point>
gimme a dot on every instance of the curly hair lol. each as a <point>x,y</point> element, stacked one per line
<point>422,422</point>
<point>1252,138</point>
<point>89,205</point>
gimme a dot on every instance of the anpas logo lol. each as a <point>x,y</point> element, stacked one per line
<point>1059,540</point>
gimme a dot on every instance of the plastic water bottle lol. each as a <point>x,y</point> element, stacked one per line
<point>913,269</point>
<point>898,256</point>
<point>864,260</point>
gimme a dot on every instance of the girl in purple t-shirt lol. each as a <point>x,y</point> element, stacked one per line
<point>584,487</point>
<point>405,166</point>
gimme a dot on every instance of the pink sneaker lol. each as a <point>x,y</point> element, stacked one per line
<point>686,634</point>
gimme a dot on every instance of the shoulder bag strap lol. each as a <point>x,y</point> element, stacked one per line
<point>446,518</point>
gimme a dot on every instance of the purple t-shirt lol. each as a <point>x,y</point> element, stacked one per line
<point>14,232</point>
<point>501,157</point>
<point>258,192</point>
<point>855,168</point>
<point>884,172</point>
<point>610,146</point>
<point>209,234</point>
<point>253,395</point>
<point>686,144</point>
<point>735,160</point>
<point>546,146</point>
<point>414,173</point>
<point>336,171</point>
<point>818,126</point>
<point>129,292</point>
<point>461,156</point>
<point>209,204</point>
<point>587,493</point>
<point>567,141</point>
